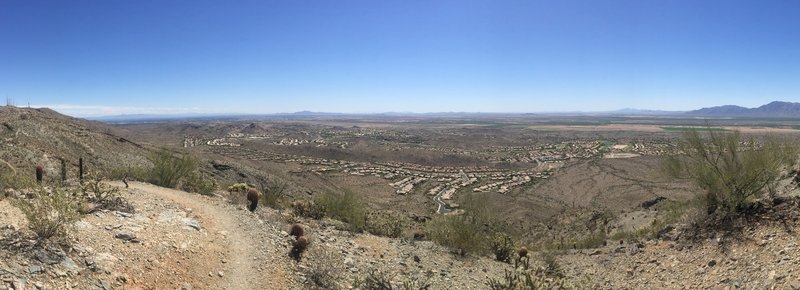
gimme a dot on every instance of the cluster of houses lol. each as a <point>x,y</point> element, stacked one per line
<point>444,182</point>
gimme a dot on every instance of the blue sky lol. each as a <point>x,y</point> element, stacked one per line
<point>91,58</point>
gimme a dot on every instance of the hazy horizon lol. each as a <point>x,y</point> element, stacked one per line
<point>100,58</point>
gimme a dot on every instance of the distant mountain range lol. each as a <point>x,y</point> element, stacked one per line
<point>771,110</point>
<point>787,110</point>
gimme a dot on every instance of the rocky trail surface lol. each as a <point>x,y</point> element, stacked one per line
<point>236,251</point>
<point>174,240</point>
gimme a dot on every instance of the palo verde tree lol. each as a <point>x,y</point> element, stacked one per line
<point>731,171</point>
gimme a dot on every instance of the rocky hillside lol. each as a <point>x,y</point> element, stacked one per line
<point>30,137</point>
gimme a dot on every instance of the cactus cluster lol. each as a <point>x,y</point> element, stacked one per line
<point>300,243</point>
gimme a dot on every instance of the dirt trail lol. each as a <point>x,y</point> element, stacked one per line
<point>246,262</point>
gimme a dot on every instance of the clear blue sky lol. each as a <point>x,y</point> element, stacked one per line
<point>108,57</point>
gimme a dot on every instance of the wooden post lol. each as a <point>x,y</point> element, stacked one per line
<point>80,168</point>
<point>63,170</point>
<point>39,173</point>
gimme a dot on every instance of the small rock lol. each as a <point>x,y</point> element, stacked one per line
<point>35,269</point>
<point>186,286</point>
<point>220,273</point>
<point>105,285</point>
<point>712,263</point>
<point>192,223</point>
<point>127,236</point>
<point>70,265</point>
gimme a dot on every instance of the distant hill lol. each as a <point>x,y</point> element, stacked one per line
<point>772,110</point>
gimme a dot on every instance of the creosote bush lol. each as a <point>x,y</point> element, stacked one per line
<point>104,196</point>
<point>273,193</point>
<point>377,280</point>
<point>385,224</point>
<point>325,267</point>
<point>462,233</point>
<point>467,232</point>
<point>198,182</point>
<point>11,179</point>
<point>50,214</point>
<point>730,170</point>
<point>169,168</point>
<point>345,207</point>
<point>308,209</point>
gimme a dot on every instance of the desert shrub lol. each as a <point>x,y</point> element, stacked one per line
<point>466,232</point>
<point>102,195</point>
<point>385,224</point>
<point>168,168</point>
<point>49,215</point>
<point>549,276</point>
<point>502,246</point>
<point>730,170</point>
<point>272,193</point>
<point>198,182</point>
<point>530,280</point>
<point>591,241</point>
<point>345,207</point>
<point>308,209</point>
<point>9,178</point>
<point>325,267</point>
<point>377,280</point>
<point>459,232</point>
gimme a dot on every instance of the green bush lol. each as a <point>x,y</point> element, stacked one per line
<point>308,209</point>
<point>272,193</point>
<point>466,232</point>
<point>9,178</point>
<point>345,207</point>
<point>168,168</point>
<point>730,170</point>
<point>49,215</point>
<point>385,224</point>
<point>198,182</point>
<point>377,280</point>
<point>104,196</point>
<point>460,232</point>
